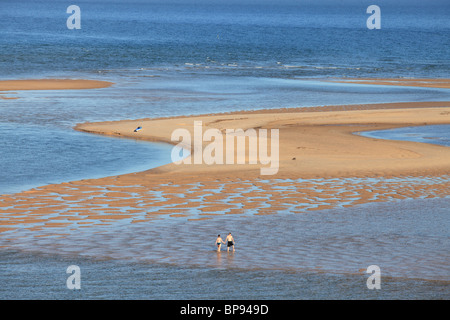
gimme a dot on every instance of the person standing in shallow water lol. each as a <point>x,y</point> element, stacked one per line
<point>219,242</point>
<point>230,242</point>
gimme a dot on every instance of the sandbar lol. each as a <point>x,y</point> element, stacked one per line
<point>52,84</point>
<point>317,143</point>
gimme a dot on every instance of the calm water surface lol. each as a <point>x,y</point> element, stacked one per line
<point>434,134</point>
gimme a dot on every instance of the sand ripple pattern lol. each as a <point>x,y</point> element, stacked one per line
<point>87,203</point>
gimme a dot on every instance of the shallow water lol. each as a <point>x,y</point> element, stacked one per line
<point>33,156</point>
<point>434,134</point>
<point>312,255</point>
<point>408,238</point>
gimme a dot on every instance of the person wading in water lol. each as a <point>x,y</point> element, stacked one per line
<point>230,242</point>
<point>219,242</point>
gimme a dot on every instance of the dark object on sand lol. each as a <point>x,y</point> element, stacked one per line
<point>137,129</point>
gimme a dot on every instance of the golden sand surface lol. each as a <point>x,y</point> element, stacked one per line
<point>52,84</point>
<point>333,166</point>
<point>322,142</point>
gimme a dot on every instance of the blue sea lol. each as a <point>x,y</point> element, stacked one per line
<point>169,58</point>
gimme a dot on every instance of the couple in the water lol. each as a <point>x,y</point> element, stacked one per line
<point>229,241</point>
